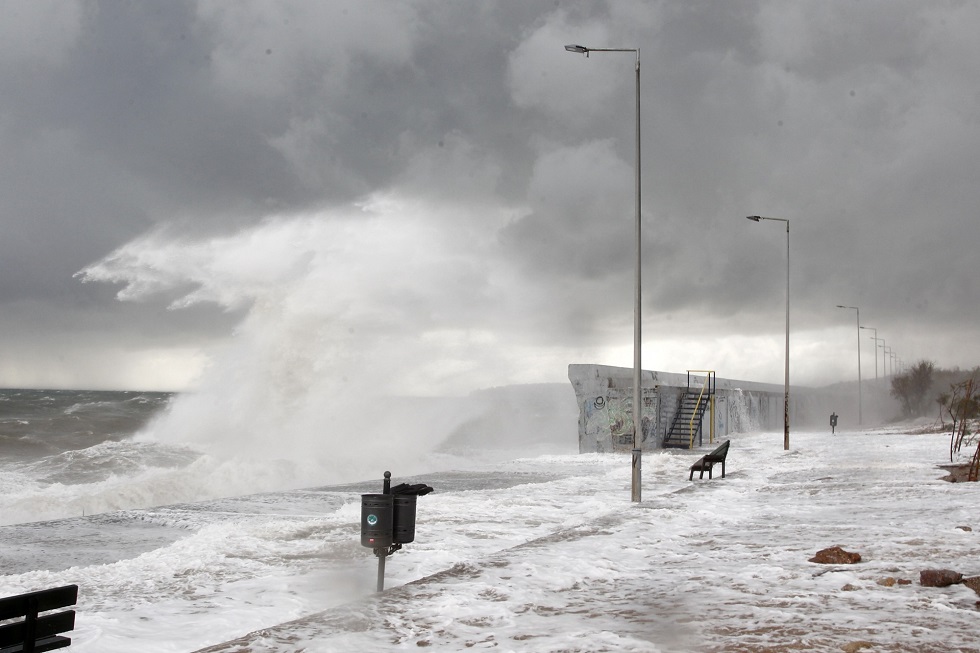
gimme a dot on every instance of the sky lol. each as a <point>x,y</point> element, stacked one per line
<point>435,197</point>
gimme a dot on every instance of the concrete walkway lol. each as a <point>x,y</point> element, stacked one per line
<point>704,566</point>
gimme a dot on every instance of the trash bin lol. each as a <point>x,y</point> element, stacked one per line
<point>404,518</point>
<point>377,520</point>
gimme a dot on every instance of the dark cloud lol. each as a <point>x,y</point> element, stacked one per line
<point>211,125</point>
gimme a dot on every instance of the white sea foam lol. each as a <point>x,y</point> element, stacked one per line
<point>544,553</point>
<point>339,317</point>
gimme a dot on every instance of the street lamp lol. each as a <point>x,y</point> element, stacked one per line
<point>757,218</point>
<point>860,403</point>
<point>637,305</point>
<point>875,337</point>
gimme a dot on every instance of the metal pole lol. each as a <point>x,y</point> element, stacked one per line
<point>637,468</point>
<point>637,321</point>
<point>637,295</point>
<point>757,218</point>
<point>381,571</point>
<point>876,358</point>
<point>786,399</point>
<point>711,404</point>
<point>383,553</point>
<point>860,402</point>
<point>875,337</point>
<point>876,361</point>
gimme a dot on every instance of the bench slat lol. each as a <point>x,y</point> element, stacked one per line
<point>47,626</point>
<point>49,599</point>
<point>46,644</point>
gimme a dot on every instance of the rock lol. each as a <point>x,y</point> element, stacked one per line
<point>888,581</point>
<point>848,588</point>
<point>939,577</point>
<point>854,647</point>
<point>904,581</point>
<point>965,528</point>
<point>835,556</point>
<point>973,583</point>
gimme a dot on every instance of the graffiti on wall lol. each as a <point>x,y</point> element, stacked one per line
<point>607,421</point>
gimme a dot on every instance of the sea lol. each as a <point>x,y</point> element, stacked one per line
<point>66,453</point>
<point>234,543</point>
<point>180,542</point>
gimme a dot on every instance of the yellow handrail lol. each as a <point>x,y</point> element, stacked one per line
<point>707,383</point>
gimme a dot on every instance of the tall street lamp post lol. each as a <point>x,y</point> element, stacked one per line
<point>860,402</point>
<point>875,337</point>
<point>637,305</point>
<point>882,348</point>
<point>757,218</point>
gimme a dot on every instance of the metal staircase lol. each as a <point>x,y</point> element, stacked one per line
<point>688,420</point>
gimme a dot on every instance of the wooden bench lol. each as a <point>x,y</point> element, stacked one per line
<point>705,462</point>
<point>34,634</point>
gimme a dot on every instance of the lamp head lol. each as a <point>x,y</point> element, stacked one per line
<point>581,49</point>
<point>753,218</point>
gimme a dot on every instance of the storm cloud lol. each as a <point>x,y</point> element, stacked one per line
<point>442,185</point>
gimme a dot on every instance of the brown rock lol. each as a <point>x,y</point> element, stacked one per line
<point>848,588</point>
<point>904,581</point>
<point>939,577</point>
<point>973,583</point>
<point>835,556</point>
<point>888,581</point>
<point>965,528</point>
<point>854,647</point>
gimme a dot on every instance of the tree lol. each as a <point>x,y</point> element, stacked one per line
<point>912,387</point>
<point>963,405</point>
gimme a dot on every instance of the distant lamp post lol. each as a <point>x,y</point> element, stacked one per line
<point>875,337</point>
<point>757,218</point>
<point>637,304</point>
<point>860,402</point>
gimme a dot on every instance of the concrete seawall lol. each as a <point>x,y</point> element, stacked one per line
<point>605,401</point>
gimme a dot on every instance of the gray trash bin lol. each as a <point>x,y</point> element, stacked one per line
<point>377,520</point>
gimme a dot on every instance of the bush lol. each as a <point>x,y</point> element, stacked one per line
<point>912,388</point>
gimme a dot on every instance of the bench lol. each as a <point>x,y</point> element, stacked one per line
<point>34,634</point>
<point>705,462</point>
